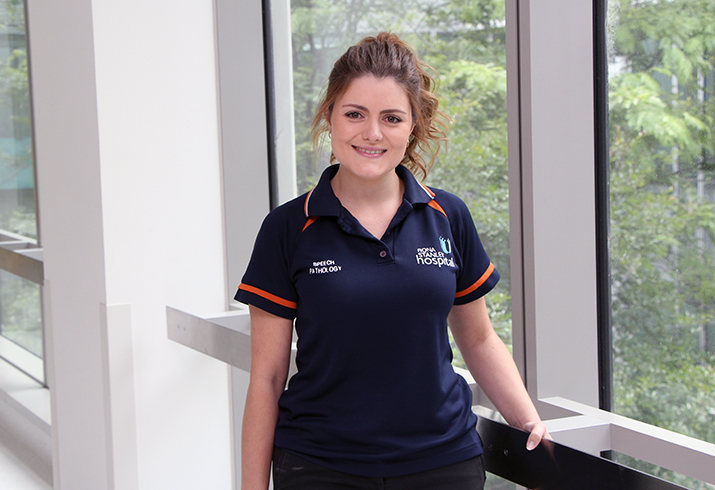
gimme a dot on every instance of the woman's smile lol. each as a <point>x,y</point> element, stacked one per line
<point>369,152</point>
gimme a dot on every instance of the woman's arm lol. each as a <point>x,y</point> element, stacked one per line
<point>270,356</point>
<point>493,368</point>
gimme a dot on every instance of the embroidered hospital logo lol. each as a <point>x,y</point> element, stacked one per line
<point>446,245</point>
<point>324,267</point>
<point>431,256</point>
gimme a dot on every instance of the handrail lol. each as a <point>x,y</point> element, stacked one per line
<point>661,447</point>
<point>553,466</point>
<point>21,256</point>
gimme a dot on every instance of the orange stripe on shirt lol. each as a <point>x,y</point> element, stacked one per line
<point>305,205</point>
<point>309,222</point>
<point>479,282</point>
<point>427,190</point>
<point>268,296</point>
<point>434,204</point>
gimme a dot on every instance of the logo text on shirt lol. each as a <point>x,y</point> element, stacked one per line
<point>430,256</point>
<point>324,267</point>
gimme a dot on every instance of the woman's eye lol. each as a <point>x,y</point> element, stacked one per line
<point>352,115</point>
<point>393,119</point>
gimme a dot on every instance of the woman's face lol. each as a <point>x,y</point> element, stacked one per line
<point>371,123</point>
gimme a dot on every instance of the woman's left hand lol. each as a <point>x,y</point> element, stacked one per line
<point>538,432</point>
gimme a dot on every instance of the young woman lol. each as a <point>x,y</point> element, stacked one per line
<point>373,266</point>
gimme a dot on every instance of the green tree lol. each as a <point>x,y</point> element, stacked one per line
<point>662,215</point>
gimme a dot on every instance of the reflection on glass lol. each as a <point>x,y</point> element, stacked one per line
<point>20,316</point>
<point>465,42</point>
<point>662,180</point>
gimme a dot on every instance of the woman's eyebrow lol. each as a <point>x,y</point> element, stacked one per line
<point>365,109</point>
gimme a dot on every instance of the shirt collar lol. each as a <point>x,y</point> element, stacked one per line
<point>321,200</point>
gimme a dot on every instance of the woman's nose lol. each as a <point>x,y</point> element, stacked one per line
<point>372,131</point>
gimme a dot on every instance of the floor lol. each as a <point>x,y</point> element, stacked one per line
<point>14,475</point>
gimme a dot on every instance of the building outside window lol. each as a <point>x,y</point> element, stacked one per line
<point>21,339</point>
<point>662,215</point>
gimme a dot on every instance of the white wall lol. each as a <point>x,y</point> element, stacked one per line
<point>130,205</point>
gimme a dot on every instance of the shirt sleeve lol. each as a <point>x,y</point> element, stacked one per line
<point>477,275</point>
<point>267,283</point>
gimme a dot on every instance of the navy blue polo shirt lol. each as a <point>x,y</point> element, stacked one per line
<point>375,393</point>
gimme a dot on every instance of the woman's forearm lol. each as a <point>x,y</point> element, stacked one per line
<point>259,423</point>
<point>493,368</point>
<point>270,357</point>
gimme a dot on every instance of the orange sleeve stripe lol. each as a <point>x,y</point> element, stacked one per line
<point>434,204</point>
<point>479,282</point>
<point>269,296</point>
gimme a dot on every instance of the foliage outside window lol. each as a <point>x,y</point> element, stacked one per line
<point>662,198</point>
<point>20,313</point>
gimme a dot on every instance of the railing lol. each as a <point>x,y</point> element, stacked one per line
<point>552,466</point>
<point>21,256</point>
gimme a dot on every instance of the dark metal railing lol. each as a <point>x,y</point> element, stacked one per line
<point>552,466</point>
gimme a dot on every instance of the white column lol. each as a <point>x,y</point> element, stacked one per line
<point>70,209</point>
<point>130,206</point>
<point>556,172</point>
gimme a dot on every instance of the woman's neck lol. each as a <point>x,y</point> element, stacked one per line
<point>372,203</point>
<point>351,190</point>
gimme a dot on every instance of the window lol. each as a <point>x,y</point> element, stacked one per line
<point>662,218</point>
<point>21,341</point>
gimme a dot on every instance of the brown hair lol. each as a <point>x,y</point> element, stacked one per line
<point>383,56</point>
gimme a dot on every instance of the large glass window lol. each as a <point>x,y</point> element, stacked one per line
<point>662,199</point>
<point>20,314</point>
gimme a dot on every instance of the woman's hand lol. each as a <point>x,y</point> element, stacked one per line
<point>538,433</point>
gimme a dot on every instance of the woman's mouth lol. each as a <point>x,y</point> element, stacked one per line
<point>369,152</point>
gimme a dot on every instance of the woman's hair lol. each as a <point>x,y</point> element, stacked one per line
<point>383,56</point>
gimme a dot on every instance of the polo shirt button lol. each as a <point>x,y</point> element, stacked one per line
<point>383,254</point>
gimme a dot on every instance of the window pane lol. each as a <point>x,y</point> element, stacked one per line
<point>17,183</point>
<point>465,43</point>
<point>662,180</point>
<point>20,316</point>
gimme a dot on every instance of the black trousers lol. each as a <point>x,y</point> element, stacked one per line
<point>293,473</point>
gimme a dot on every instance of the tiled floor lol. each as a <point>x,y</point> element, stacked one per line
<point>14,475</point>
